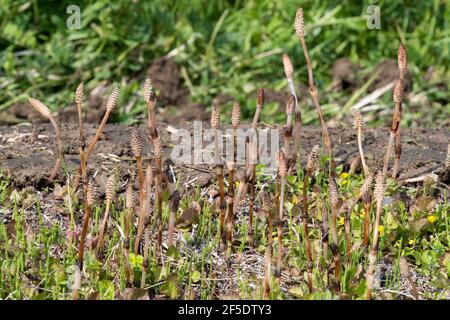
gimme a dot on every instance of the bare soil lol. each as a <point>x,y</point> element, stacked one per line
<point>28,157</point>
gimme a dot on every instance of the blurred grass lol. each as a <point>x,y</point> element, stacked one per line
<point>222,47</point>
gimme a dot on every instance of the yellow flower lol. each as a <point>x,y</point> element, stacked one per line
<point>294,200</point>
<point>362,213</point>
<point>344,175</point>
<point>341,221</point>
<point>381,230</point>
<point>411,242</point>
<point>431,218</point>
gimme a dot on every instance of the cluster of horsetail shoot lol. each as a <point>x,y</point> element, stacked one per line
<point>318,213</point>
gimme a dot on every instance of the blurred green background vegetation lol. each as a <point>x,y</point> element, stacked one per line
<point>222,47</point>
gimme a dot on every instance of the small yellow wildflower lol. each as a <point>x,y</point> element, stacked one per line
<point>411,242</point>
<point>362,213</point>
<point>344,175</point>
<point>381,230</point>
<point>294,200</point>
<point>431,218</point>
<point>341,221</point>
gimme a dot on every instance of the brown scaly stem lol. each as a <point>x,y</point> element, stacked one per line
<point>215,124</point>
<point>287,132</point>
<point>45,111</point>
<point>379,195</point>
<point>397,97</point>
<point>289,72</point>
<point>76,283</point>
<point>128,223</point>
<point>324,232</point>
<point>251,208</point>
<point>110,104</point>
<point>334,200</point>
<point>229,225</point>
<point>143,210</point>
<point>150,98</point>
<point>404,271</point>
<point>297,137</point>
<point>91,196</point>
<point>282,171</point>
<point>359,125</point>
<point>87,216</point>
<point>229,202</point>
<point>367,200</point>
<point>267,272</point>
<point>251,165</point>
<point>310,167</point>
<point>148,185</point>
<point>348,243</point>
<point>79,96</point>
<point>136,147</point>
<point>398,151</point>
<point>174,204</point>
<point>146,249</point>
<point>267,209</point>
<point>235,121</point>
<point>300,31</point>
<point>402,66</point>
<point>365,195</point>
<point>159,181</point>
<point>111,185</point>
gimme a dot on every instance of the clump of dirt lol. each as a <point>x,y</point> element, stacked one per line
<point>388,72</point>
<point>166,79</point>
<point>344,75</point>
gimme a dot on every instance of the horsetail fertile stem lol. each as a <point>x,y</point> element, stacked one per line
<point>174,204</point>
<point>324,230</point>
<point>282,171</point>
<point>253,161</point>
<point>334,201</point>
<point>91,197</point>
<point>157,152</point>
<point>348,241</point>
<point>402,66</point>
<point>111,186</point>
<point>215,124</point>
<point>397,97</point>
<point>250,168</point>
<point>289,72</point>
<point>299,25</point>
<point>79,97</point>
<point>405,273</point>
<point>128,222</point>
<point>45,111</point>
<point>146,190</point>
<point>267,209</point>
<point>76,283</point>
<point>366,195</point>
<point>110,105</point>
<point>136,147</point>
<point>148,182</point>
<point>380,188</point>
<point>235,121</point>
<point>310,168</point>
<point>267,272</point>
<point>359,125</point>
<point>150,99</point>
<point>287,132</point>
